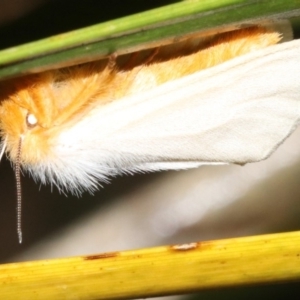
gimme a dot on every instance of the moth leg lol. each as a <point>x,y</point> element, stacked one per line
<point>152,55</point>
<point>112,61</point>
<point>136,59</point>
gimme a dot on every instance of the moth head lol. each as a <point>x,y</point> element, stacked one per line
<point>37,108</point>
<point>26,115</point>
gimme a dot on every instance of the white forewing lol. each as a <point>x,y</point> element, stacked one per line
<point>237,112</point>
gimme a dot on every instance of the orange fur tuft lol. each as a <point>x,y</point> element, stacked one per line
<point>219,49</point>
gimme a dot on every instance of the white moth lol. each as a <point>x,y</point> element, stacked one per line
<point>237,112</point>
<point>67,129</point>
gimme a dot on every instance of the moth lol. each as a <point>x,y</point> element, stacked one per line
<point>233,98</point>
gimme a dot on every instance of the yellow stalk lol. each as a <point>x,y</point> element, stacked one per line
<point>156,271</point>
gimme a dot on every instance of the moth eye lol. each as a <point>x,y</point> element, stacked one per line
<point>31,120</point>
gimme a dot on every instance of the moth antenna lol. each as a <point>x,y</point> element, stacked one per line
<point>19,190</point>
<point>3,148</point>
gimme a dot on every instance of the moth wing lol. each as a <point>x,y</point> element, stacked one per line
<point>238,112</point>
